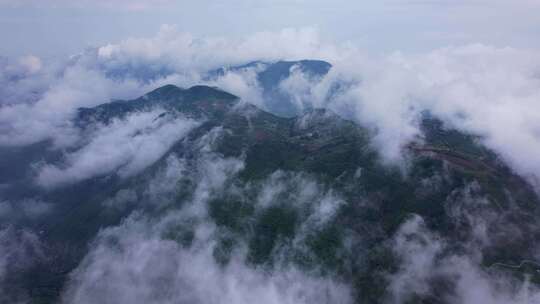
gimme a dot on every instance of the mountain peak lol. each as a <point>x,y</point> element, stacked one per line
<point>197,100</point>
<point>167,90</point>
<point>203,91</point>
<point>170,91</point>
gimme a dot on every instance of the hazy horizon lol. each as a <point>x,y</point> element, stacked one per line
<point>61,28</point>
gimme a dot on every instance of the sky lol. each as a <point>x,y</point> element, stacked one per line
<point>51,28</point>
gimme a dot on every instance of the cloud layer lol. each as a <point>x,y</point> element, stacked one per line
<point>141,269</point>
<point>124,147</point>
<point>487,91</point>
<point>425,262</point>
<point>144,259</point>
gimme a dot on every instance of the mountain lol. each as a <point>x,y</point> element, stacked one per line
<point>196,101</point>
<point>300,162</point>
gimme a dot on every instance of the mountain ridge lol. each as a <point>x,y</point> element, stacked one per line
<point>318,145</point>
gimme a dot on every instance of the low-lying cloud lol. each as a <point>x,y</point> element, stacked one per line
<point>484,90</point>
<point>28,208</point>
<point>124,147</point>
<point>141,269</point>
<point>479,89</point>
<point>139,262</point>
<point>428,269</point>
<point>20,250</point>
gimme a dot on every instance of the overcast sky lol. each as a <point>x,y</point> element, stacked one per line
<point>63,27</point>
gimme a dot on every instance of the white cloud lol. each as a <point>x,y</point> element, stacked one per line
<point>143,269</point>
<point>142,266</point>
<point>124,146</point>
<point>243,84</point>
<point>22,80</point>
<point>480,89</point>
<point>49,117</point>
<point>162,189</point>
<point>301,192</point>
<point>182,51</point>
<point>31,63</point>
<point>417,249</point>
<point>424,260</point>
<point>48,94</point>
<point>488,91</point>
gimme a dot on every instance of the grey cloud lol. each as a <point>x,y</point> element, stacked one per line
<point>131,68</point>
<point>122,199</point>
<point>19,250</point>
<point>24,209</point>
